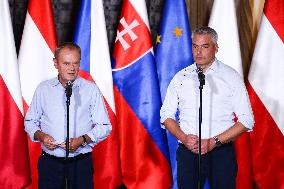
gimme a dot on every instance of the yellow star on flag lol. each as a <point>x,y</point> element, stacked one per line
<point>177,31</point>
<point>158,39</point>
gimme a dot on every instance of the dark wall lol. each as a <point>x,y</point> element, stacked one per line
<point>65,13</point>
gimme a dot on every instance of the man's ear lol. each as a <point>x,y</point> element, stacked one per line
<point>55,63</point>
<point>217,47</point>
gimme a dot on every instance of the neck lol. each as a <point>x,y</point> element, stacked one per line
<point>205,67</point>
<point>63,83</point>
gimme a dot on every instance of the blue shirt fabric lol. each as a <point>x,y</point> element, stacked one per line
<point>87,114</point>
<point>224,96</point>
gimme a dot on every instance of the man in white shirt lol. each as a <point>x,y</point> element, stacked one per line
<point>224,98</point>
<point>46,122</point>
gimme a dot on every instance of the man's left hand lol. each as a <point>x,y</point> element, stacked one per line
<point>75,143</point>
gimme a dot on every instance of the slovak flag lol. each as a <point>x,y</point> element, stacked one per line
<point>266,89</point>
<point>143,147</point>
<point>90,35</point>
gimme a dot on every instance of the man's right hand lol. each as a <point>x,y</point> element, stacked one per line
<point>46,139</point>
<point>191,142</point>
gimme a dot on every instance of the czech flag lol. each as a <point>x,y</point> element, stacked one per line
<point>90,35</point>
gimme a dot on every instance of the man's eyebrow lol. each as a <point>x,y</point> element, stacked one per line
<point>201,44</point>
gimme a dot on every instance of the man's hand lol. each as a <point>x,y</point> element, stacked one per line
<point>191,142</point>
<point>46,139</point>
<point>206,146</point>
<point>74,144</point>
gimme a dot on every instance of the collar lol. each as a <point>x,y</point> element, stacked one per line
<point>214,66</point>
<point>55,82</point>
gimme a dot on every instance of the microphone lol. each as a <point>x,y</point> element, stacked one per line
<point>68,89</point>
<point>201,76</point>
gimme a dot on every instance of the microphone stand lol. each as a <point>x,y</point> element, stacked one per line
<point>68,92</point>
<point>201,78</point>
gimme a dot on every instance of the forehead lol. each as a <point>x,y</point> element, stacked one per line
<point>68,52</point>
<point>202,39</point>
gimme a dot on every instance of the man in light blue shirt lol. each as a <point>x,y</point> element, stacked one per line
<point>45,122</point>
<point>224,98</point>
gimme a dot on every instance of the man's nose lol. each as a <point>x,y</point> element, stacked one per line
<point>72,66</point>
<point>199,50</point>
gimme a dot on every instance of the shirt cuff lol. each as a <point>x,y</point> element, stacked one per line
<point>164,117</point>
<point>247,123</point>
<point>32,134</point>
<point>93,139</point>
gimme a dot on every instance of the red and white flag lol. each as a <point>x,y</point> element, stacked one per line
<point>35,60</point>
<point>223,19</point>
<point>266,89</point>
<point>14,154</point>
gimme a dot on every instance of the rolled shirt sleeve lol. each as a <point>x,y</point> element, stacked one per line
<point>101,123</point>
<point>33,116</point>
<point>242,106</point>
<point>170,104</point>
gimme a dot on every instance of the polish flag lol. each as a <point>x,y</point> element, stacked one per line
<point>14,155</point>
<point>35,61</point>
<point>266,89</point>
<point>223,19</point>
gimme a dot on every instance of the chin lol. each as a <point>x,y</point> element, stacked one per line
<point>71,78</point>
<point>200,63</point>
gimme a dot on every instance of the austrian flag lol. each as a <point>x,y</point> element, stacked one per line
<point>266,89</point>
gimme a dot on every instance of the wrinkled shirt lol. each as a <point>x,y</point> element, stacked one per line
<point>224,97</point>
<point>87,114</point>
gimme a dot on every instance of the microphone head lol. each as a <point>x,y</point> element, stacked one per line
<point>201,75</point>
<point>69,83</point>
<point>199,70</point>
<point>68,89</point>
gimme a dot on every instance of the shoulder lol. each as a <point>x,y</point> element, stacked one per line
<point>48,83</point>
<point>83,82</point>
<point>228,72</point>
<point>233,79</point>
<point>45,87</point>
<point>87,85</point>
<point>184,73</point>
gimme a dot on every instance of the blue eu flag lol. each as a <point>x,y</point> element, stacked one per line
<point>173,53</point>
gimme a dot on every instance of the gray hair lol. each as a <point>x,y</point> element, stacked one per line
<point>206,30</point>
<point>68,45</point>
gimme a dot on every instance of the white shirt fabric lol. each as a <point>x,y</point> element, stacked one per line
<point>224,96</point>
